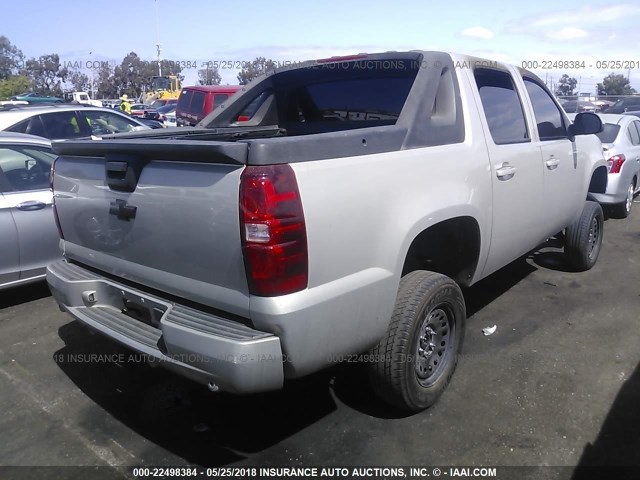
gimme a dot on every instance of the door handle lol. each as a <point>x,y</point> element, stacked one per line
<point>31,205</point>
<point>506,171</point>
<point>552,163</point>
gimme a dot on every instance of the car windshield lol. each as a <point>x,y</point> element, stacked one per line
<point>609,132</point>
<point>167,108</point>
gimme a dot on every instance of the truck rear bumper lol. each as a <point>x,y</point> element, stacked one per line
<point>196,344</point>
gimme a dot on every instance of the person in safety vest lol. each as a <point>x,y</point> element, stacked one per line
<point>125,106</point>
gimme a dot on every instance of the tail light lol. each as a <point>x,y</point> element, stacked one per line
<point>53,201</point>
<point>614,164</point>
<point>344,58</point>
<point>274,235</point>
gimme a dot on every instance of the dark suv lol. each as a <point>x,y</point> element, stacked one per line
<point>624,105</point>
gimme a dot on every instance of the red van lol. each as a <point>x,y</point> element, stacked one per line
<point>198,101</point>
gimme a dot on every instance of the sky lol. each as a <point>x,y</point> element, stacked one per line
<point>199,31</point>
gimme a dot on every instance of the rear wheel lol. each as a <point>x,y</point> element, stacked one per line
<point>624,209</point>
<point>416,358</point>
<point>583,238</point>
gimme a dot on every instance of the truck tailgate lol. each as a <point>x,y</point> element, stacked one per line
<point>150,213</point>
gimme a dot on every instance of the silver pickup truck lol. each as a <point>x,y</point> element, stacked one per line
<point>324,211</point>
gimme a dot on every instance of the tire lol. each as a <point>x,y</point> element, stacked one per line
<point>583,238</point>
<point>429,308</point>
<point>624,209</point>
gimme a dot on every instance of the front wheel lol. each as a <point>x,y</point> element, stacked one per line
<point>583,238</point>
<point>417,356</point>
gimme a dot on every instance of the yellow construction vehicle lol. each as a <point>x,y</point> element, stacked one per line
<point>165,87</point>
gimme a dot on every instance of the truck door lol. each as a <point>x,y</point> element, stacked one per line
<point>516,173</point>
<point>562,174</point>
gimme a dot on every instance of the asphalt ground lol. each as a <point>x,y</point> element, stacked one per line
<point>557,384</point>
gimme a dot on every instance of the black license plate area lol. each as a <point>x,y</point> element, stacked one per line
<point>141,312</point>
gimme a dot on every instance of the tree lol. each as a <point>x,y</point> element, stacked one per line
<point>209,76</point>
<point>134,75</point>
<point>615,84</point>
<point>11,58</point>
<point>79,81</point>
<point>255,68</point>
<point>46,73</point>
<point>13,86</point>
<point>566,85</point>
<point>105,83</point>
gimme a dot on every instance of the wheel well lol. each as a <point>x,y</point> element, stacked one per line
<point>451,247</point>
<point>598,182</point>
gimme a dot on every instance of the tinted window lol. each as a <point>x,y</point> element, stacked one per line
<point>61,125</point>
<point>32,126</point>
<point>359,99</point>
<point>609,132</point>
<point>218,99</point>
<point>250,110</point>
<point>548,117</point>
<point>502,107</point>
<point>184,99</point>
<point>197,103</point>
<point>23,168</point>
<point>637,125</point>
<point>633,134</point>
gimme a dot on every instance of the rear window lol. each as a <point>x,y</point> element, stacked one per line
<point>609,132</point>
<point>372,99</point>
<point>364,99</point>
<point>330,97</point>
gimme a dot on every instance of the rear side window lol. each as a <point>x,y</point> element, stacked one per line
<point>32,126</point>
<point>218,99</point>
<point>548,118</point>
<point>184,100</point>
<point>502,107</point>
<point>632,132</point>
<point>609,132</point>
<point>197,103</point>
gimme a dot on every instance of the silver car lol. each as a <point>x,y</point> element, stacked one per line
<point>620,139</point>
<point>65,121</point>
<point>28,234</point>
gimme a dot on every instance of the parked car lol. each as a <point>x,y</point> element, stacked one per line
<point>620,139</point>
<point>58,122</point>
<point>81,97</point>
<point>163,103</point>
<point>197,102</point>
<point>625,104</point>
<point>339,216</point>
<point>140,109</point>
<point>603,105</point>
<point>28,234</point>
<point>33,97</point>
<point>579,106</point>
<point>170,119</point>
<point>151,123</point>
<point>160,114</point>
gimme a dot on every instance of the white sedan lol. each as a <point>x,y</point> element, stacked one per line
<point>620,139</point>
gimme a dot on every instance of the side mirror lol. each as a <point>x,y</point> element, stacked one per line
<point>585,124</point>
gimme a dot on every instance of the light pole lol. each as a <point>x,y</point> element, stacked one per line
<point>91,65</point>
